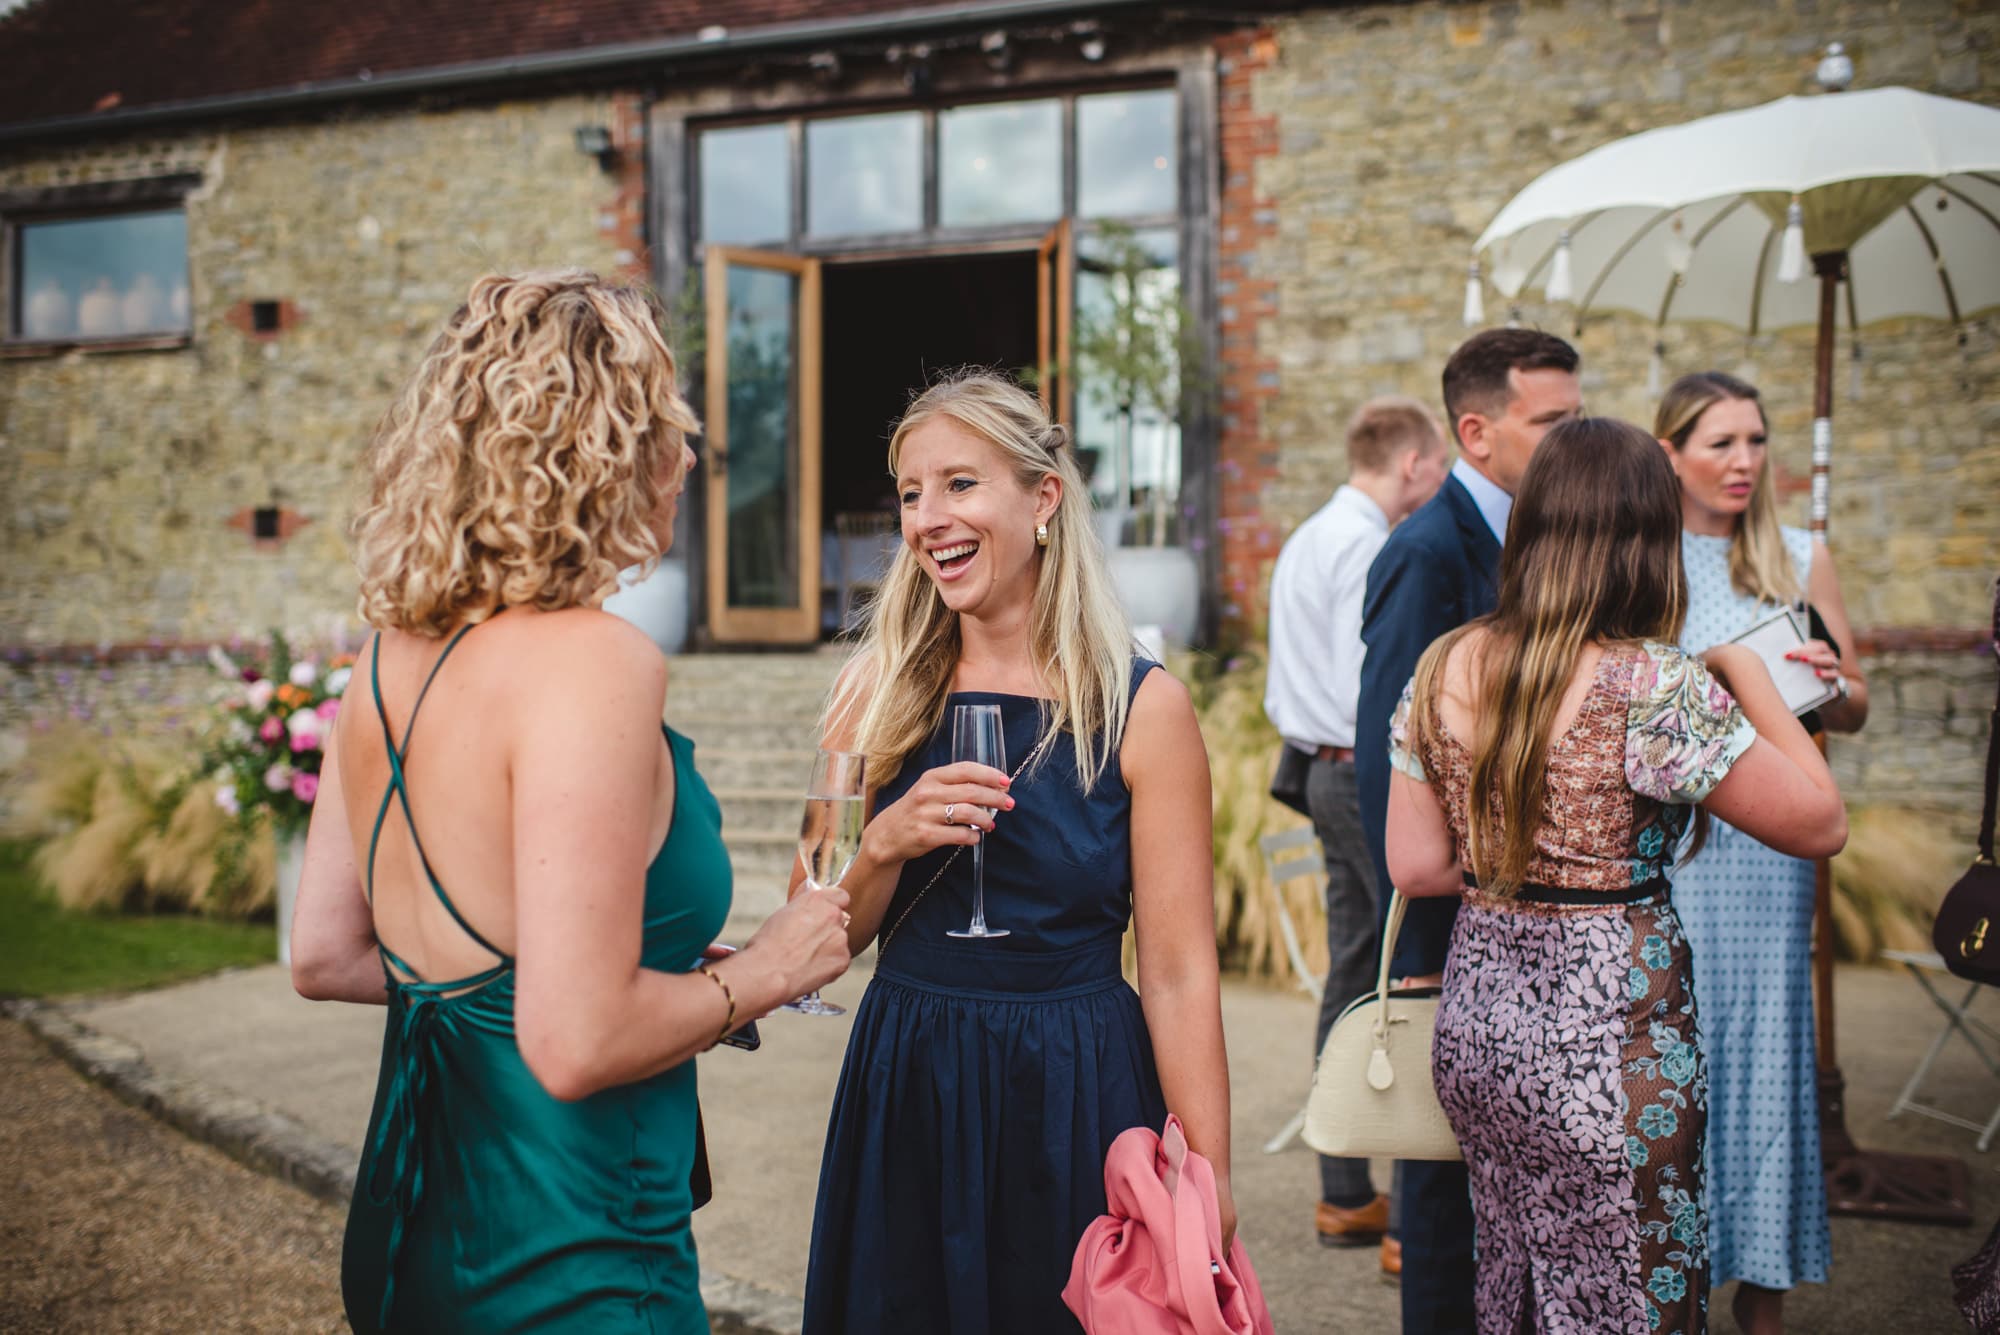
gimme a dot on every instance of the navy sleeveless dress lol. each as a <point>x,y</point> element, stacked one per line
<point>985,1080</point>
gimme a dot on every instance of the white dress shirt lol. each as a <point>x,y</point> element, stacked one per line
<point>1495,505</point>
<point>1317,587</point>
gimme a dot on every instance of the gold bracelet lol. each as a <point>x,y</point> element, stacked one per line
<point>727,995</point>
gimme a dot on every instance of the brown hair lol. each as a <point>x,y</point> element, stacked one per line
<point>1759,565</point>
<point>1475,378</point>
<point>523,462</point>
<point>1593,554</point>
<point>1383,428</point>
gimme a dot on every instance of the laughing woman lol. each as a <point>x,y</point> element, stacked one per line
<point>985,1079</point>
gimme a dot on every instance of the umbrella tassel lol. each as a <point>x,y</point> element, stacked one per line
<point>1655,370</point>
<point>1562,282</point>
<point>1792,251</point>
<point>1475,299</point>
<point>1854,373</point>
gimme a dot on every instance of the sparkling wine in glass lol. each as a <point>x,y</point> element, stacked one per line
<point>829,838</point>
<point>976,736</point>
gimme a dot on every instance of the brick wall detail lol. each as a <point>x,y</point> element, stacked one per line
<point>1246,301</point>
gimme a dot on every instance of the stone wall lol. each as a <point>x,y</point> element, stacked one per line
<point>1402,129</point>
<point>122,471</point>
<point>126,478</point>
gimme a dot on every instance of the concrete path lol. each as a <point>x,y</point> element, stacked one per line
<point>246,1035</point>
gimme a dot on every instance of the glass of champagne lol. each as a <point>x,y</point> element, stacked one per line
<point>976,736</point>
<point>829,837</point>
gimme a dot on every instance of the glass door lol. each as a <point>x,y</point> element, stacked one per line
<point>763,446</point>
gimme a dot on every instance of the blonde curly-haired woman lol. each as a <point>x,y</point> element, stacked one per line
<point>528,1159</point>
<point>985,1079</point>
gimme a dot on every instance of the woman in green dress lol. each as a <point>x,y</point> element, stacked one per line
<point>529,881</point>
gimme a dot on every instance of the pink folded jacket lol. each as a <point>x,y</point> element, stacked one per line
<point>1154,1265</point>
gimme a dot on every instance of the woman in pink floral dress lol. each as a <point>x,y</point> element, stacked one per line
<point>1566,1053</point>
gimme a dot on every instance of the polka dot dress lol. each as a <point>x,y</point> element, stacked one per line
<point>1747,911</point>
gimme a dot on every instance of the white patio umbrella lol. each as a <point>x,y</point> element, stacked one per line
<point>1892,198</point>
<point>1893,194</point>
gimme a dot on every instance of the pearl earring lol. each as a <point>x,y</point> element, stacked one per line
<point>1041,535</point>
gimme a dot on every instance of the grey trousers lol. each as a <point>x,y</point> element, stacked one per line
<point>1353,936</point>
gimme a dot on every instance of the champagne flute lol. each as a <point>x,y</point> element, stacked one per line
<point>829,838</point>
<point>976,736</point>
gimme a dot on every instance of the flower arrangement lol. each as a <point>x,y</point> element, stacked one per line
<point>277,714</point>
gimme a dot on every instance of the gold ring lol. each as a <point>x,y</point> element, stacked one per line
<point>950,807</point>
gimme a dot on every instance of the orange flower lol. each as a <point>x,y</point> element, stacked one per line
<point>292,696</point>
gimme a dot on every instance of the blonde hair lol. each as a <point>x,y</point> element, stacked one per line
<point>524,461</point>
<point>1759,565</point>
<point>1078,636</point>
<point>1383,428</point>
<point>1593,555</point>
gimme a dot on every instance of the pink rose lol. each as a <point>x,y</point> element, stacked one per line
<point>305,786</point>
<point>271,730</point>
<point>328,708</point>
<point>305,741</point>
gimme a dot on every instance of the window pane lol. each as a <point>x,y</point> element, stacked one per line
<point>746,185</point>
<point>865,174</point>
<point>763,562</point>
<point>104,277</point>
<point>1000,163</point>
<point>1139,466</point>
<point>1125,153</point>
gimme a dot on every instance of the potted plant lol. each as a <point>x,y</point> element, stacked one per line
<point>1132,353</point>
<point>268,745</point>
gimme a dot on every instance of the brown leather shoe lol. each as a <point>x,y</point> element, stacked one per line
<point>1392,1261</point>
<point>1355,1227</point>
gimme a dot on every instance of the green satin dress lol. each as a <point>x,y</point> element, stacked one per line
<point>484,1204</point>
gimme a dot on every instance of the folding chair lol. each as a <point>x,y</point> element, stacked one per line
<point>1957,1019</point>
<point>1287,856</point>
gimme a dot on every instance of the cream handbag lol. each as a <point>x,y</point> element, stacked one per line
<point>1372,1095</point>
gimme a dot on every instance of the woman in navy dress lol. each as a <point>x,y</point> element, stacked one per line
<point>985,1079</point>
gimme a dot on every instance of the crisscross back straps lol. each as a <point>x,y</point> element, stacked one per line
<point>399,789</point>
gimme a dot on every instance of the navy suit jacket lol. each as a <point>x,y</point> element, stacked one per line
<point>1439,570</point>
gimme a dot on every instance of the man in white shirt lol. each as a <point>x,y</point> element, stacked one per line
<point>1396,459</point>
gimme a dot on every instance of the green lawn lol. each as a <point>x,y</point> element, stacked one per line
<point>46,950</point>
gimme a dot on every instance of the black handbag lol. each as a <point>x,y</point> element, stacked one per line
<point>1967,931</point>
<point>1288,780</point>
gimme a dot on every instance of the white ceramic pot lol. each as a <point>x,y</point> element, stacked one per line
<point>657,604</point>
<point>291,866</point>
<point>1159,586</point>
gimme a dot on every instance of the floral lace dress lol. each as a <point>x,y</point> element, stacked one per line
<point>1566,1054</point>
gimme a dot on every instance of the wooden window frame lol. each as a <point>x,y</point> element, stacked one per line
<point>67,203</point>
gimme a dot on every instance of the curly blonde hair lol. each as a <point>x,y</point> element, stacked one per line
<point>523,463</point>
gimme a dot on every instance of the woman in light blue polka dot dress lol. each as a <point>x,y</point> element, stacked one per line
<point>1747,909</point>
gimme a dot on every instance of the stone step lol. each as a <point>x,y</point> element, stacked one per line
<point>724,766</point>
<point>803,670</point>
<point>740,734</point>
<point>762,808</point>
<point>745,700</point>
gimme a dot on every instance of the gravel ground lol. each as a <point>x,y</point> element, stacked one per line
<point>111,1221</point>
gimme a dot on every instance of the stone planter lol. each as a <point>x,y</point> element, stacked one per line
<point>291,866</point>
<point>656,604</point>
<point>1159,586</point>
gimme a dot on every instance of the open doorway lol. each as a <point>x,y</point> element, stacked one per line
<point>889,328</point>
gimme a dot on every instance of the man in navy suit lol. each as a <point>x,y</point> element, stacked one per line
<point>1503,390</point>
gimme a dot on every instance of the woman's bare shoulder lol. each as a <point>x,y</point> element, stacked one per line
<point>575,650</point>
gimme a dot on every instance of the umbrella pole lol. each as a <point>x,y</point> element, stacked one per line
<point>1918,1188</point>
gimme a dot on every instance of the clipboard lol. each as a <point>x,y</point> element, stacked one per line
<point>1801,688</point>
